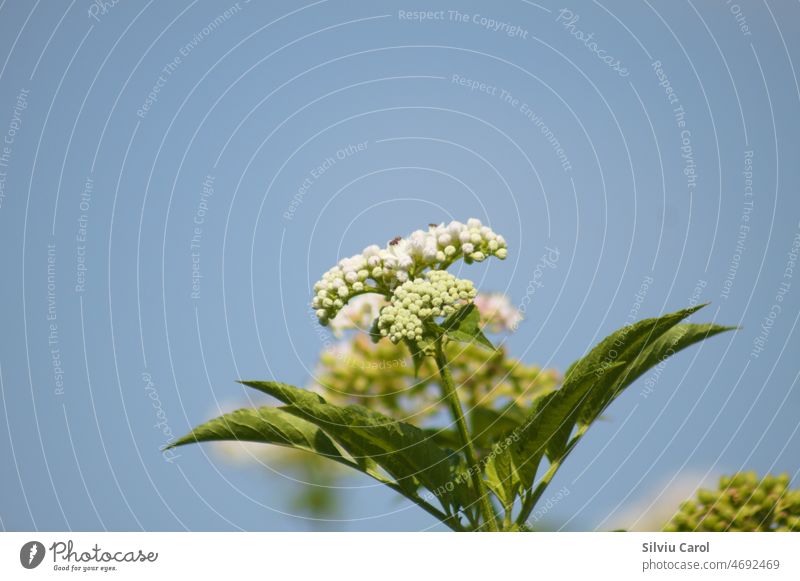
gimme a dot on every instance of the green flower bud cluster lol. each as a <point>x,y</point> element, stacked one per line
<point>436,294</point>
<point>743,502</point>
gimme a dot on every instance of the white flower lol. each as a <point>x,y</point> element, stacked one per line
<point>381,270</point>
<point>497,312</point>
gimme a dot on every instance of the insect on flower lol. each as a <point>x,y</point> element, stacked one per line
<point>382,270</point>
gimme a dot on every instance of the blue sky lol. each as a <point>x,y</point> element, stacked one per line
<point>176,175</point>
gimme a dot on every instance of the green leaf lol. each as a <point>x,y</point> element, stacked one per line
<point>487,424</point>
<point>268,425</point>
<point>643,344</point>
<point>288,394</point>
<point>501,478</point>
<point>628,336</point>
<point>552,416</point>
<point>557,445</point>
<point>676,339</point>
<point>464,495</point>
<point>625,344</point>
<point>465,326</point>
<point>292,395</point>
<point>403,450</point>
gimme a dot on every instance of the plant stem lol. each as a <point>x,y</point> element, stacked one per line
<point>449,389</point>
<point>507,518</point>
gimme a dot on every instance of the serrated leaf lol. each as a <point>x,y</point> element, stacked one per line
<point>665,338</point>
<point>403,450</point>
<point>267,425</point>
<point>465,326</point>
<point>651,354</point>
<point>292,395</point>
<point>625,344</point>
<point>552,415</point>
<point>675,339</point>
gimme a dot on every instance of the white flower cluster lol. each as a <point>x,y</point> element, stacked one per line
<point>384,269</point>
<point>436,294</point>
<point>497,312</point>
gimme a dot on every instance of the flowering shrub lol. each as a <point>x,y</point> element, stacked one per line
<point>478,470</point>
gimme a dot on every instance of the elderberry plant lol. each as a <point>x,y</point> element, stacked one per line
<point>494,388</point>
<point>487,466</point>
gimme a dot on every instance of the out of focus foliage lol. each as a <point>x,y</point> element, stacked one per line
<point>742,502</point>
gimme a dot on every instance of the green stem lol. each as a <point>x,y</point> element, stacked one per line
<point>507,517</point>
<point>449,389</point>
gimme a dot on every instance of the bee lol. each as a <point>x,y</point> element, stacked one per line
<point>395,241</point>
